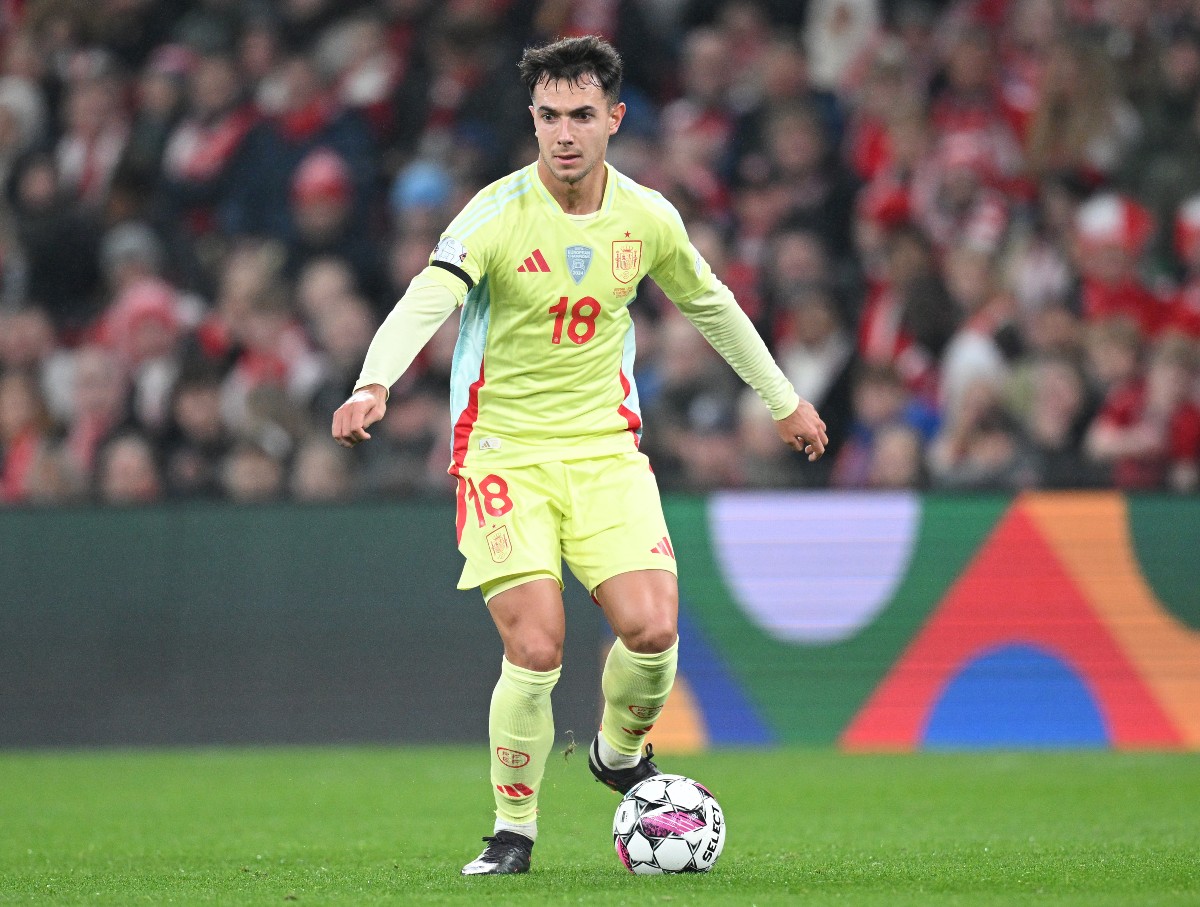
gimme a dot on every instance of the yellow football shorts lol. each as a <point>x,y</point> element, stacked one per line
<point>602,516</point>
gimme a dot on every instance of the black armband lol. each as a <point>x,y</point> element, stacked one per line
<point>456,271</point>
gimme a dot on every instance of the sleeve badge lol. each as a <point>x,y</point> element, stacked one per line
<point>450,250</point>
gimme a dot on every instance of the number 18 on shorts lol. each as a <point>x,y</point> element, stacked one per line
<point>602,516</point>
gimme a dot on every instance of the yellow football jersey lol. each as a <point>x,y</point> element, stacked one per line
<point>543,367</point>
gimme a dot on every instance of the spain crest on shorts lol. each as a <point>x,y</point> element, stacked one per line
<point>499,544</point>
<point>626,259</point>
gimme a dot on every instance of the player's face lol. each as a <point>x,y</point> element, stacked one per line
<point>573,122</point>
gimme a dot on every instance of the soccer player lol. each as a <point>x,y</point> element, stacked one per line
<point>544,264</point>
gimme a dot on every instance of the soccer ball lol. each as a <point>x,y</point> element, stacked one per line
<point>668,824</point>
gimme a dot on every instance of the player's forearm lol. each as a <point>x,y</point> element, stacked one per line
<point>428,302</point>
<point>722,322</point>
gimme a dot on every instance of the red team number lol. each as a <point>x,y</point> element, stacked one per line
<point>494,500</point>
<point>582,326</point>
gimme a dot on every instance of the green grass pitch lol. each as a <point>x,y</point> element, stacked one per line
<point>364,826</point>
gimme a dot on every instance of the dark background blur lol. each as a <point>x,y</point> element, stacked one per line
<point>197,623</point>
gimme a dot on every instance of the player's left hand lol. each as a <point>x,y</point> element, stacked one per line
<point>804,431</point>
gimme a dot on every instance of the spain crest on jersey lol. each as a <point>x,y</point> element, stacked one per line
<point>499,544</point>
<point>626,259</point>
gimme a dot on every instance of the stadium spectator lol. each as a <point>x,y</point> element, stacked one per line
<point>58,244</point>
<point>794,258</point>
<point>273,353</point>
<point>1082,125</point>
<point>410,458</point>
<point>143,326</point>
<point>627,24</point>
<point>698,130</point>
<point>1112,230</point>
<point>1113,354</point>
<point>909,316</point>
<point>419,199</point>
<point>129,253</point>
<point>740,276</point>
<point>22,120</point>
<point>322,211</point>
<point>880,400</point>
<point>303,115</point>
<point>814,183</point>
<point>202,147</point>
<point>1030,32</point>
<point>248,273</point>
<point>259,48</point>
<point>1039,265</point>
<point>693,444</point>
<point>24,434</point>
<point>27,339</point>
<point>320,472</point>
<point>251,475</point>
<point>901,155</point>
<point>342,332</point>
<point>897,460</point>
<point>1184,315</point>
<point>100,410</point>
<point>127,472</point>
<point>195,440</point>
<point>784,82</point>
<point>970,101</point>
<point>1130,39</point>
<point>886,93</point>
<point>160,105</point>
<point>976,350</point>
<point>209,26</point>
<point>321,284</point>
<point>839,33</point>
<point>1055,423</point>
<point>1149,429</point>
<point>95,134</point>
<point>980,446</point>
<point>367,69</point>
<point>817,354</point>
<point>952,199</point>
<point>452,106</point>
<point>764,462</point>
<point>1164,166</point>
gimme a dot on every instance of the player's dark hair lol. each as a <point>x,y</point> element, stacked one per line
<point>575,61</point>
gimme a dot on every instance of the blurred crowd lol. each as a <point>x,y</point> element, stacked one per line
<point>969,230</point>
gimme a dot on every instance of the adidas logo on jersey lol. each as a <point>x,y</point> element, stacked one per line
<point>664,547</point>
<point>535,263</point>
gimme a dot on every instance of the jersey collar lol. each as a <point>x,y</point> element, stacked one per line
<point>610,187</point>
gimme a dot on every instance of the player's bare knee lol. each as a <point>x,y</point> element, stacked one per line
<point>540,654</point>
<point>651,638</point>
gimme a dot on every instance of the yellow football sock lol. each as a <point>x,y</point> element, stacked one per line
<point>636,687</point>
<point>521,725</point>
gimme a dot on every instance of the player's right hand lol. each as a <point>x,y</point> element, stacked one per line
<point>363,409</point>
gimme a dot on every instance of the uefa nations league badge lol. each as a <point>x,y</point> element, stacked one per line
<point>579,258</point>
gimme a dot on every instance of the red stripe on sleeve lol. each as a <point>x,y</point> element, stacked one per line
<point>537,254</point>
